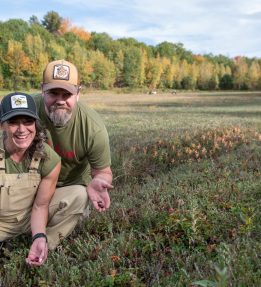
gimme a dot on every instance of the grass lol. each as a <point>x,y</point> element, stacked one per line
<point>186,204</point>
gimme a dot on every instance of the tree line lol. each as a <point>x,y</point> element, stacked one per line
<point>27,46</point>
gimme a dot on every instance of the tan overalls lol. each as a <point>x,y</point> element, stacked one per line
<point>16,200</point>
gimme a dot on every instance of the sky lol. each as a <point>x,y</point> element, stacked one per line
<point>227,27</point>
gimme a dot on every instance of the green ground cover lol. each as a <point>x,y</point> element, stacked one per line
<point>186,204</point>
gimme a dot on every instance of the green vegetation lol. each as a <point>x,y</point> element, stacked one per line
<point>186,204</point>
<point>104,63</point>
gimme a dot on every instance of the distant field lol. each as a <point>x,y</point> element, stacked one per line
<point>143,117</point>
<point>186,204</point>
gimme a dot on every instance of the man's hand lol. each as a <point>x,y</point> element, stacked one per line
<point>38,252</point>
<point>98,193</point>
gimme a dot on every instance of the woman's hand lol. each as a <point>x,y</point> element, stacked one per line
<point>38,252</point>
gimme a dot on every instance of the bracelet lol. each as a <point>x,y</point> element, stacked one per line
<point>39,235</point>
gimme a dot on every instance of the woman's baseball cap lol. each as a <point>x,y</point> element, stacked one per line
<point>18,104</point>
<point>61,74</point>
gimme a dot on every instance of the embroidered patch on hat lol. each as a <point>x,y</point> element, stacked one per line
<point>19,101</point>
<point>61,72</point>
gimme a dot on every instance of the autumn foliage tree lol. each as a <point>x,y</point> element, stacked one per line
<point>134,67</point>
<point>153,72</point>
<point>35,49</point>
<point>254,76</point>
<point>26,47</point>
<point>81,33</point>
<point>167,75</point>
<point>80,58</point>
<point>103,71</point>
<point>66,26</point>
<point>17,62</point>
<point>240,73</point>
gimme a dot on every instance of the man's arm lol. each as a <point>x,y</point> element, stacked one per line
<point>98,188</point>
<point>39,248</point>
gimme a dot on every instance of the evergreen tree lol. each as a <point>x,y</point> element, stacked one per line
<point>226,82</point>
<point>34,20</point>
<point>52,22</point>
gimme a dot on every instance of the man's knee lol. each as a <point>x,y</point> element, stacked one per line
<point>80,198</point>
<point>71,199</point>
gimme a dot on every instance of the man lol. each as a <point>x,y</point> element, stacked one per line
<point>29,171</point>
<point>79,136</point>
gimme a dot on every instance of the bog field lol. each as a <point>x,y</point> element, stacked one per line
<point>185,206</point>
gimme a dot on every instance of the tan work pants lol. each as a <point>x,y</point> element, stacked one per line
<point>65,209</point>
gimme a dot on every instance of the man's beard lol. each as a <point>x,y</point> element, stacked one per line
<point>59,115</point>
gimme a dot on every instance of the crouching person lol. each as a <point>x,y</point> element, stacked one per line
<point>29,170</point>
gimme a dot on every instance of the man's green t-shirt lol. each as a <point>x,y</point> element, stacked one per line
<point>45,167</point>
<point>81,143</point>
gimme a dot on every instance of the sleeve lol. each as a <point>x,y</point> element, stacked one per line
<point>50,162</point>
<point>99,154</point>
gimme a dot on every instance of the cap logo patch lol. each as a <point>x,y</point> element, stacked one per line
<point>19,101</point>
<point>61,72</point>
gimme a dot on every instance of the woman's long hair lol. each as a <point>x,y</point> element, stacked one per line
<point>38,142</point>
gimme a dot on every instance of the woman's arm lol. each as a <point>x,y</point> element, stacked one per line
<point>39,248</point>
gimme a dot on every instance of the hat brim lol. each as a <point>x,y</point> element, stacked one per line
<point>68,87</point>
<point>16,113</point>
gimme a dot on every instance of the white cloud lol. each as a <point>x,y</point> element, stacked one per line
<point>250,7</point>
<point>230,27</point>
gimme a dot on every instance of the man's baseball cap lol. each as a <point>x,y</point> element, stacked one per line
<point>61,74</point>
<point>17,104</point>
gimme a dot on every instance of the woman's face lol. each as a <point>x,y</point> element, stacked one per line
<point>20,132</point>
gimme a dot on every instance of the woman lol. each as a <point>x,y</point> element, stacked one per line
<point>29,170</point>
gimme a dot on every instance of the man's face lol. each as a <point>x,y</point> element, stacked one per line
<point>59,105</point>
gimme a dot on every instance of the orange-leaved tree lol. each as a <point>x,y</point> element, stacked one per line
<point>17,62</point>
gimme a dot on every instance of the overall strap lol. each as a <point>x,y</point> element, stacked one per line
<point>2,156</point>
<point>34,165</point>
